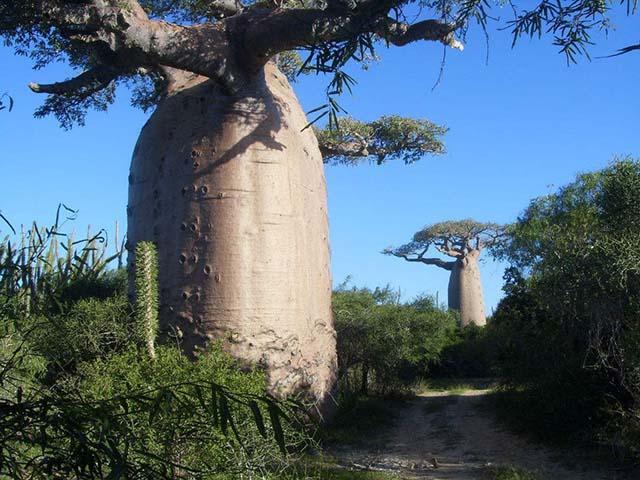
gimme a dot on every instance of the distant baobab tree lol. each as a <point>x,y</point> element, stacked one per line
<point>462,240</point>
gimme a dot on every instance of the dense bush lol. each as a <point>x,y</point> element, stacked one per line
<point>384,345</point>
<point>569,326</point>
<point>82,395</point>
<point>470,354</point>
<point>179,428</point>
<point>89,329</point>
<point>128,416</point>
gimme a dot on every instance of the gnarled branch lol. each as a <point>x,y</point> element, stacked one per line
<point>401,33</point>
<point>84,84</point>
<point>282,30</point>
<point>427,261</point>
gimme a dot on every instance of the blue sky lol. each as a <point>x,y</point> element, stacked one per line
<point>520,125</point>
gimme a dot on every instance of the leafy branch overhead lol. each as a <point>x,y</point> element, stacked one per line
<point>455,239</point>
<point>151,43</point>
<point>388,138</point>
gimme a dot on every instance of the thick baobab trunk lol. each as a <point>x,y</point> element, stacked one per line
<point>465,290</point>
<point>233,193</point>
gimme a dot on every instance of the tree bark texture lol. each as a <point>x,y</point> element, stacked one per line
<point>465,290</point>
<point>233,193</point>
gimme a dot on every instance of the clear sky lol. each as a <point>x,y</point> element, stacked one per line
<point>520,125</point>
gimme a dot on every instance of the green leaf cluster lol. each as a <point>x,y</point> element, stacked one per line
<point>385,345</point>
<point>391,137</point>
<point>459,230</point>
<point>81,396</point>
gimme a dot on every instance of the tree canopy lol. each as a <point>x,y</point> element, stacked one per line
<point>388,138</point>
<point>146,43</point>
<point>453,238</point>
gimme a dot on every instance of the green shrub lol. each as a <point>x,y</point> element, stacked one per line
<point>470,354</point>
<point>108,284</point>
<point>129,416</point>
<point>81,398</point>
<point>182,429</point>
<point>508,472</point>
<point>383,345</point>
<point>90,329</point>
<point>568,329</point>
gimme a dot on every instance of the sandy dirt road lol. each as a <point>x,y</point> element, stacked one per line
<point>452,436</point>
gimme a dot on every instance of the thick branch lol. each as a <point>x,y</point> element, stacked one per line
<point>428,261</point>
<point>282,30</point>
<point>401,34</point>
<point>234,48</point>
<point>86,83</point>
<point>224,8</point>
<point>450,252</point>
<point>135,40</point>
<point>355,148</point>
<point>445,247</point>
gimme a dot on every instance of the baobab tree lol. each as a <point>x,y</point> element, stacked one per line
<point>463,241</point>
<point>225,178</point>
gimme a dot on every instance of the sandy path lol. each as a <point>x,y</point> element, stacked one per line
<point>447,436</point>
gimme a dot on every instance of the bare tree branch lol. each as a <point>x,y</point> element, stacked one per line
<point>225,8</point>
<point>282,30</point>
<point>450,252</point>
<point>135,40</point>
<point>86,83</point>
<point>401,33</point>
<point>428,261</point>
<point>354,148</point>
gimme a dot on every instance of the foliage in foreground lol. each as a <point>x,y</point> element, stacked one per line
<point>83,396</point>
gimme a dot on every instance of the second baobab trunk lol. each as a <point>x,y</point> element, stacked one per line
<point>465,290</point>
<point>462,242</point>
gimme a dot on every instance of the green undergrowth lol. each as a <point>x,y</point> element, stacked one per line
<point>320,468</point>
<point>361,420</point>
<point>508,472</point>
<point>523,412</point>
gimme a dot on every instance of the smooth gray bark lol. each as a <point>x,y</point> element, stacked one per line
<point>233,193</point>
<point>465,290</point>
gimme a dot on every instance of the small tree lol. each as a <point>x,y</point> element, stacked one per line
<point>463,241</point>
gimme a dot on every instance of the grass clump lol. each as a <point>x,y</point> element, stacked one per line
<point>509,472</point>
<point>361,420</point>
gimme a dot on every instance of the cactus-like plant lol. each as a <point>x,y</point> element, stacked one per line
<point>146,282</point>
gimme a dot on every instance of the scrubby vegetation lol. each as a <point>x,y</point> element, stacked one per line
<point>567,332</point>
<point>564,342</point>
<point>86,393</point>
<point>385,345</point>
